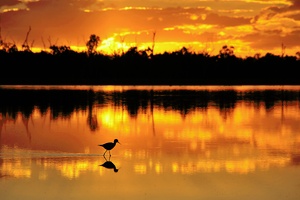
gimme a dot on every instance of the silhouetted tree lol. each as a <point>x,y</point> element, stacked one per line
<point>25,45</point>
<point>132,51</point>
<point>13,48</point>
<point>59,49</point>
<point>257,56</point>
<point>7,47</point>
<point>92,44</point>
<point>183,51</point>
<point>226,51</point>
<point>143,67</point>
<point>298,55</point>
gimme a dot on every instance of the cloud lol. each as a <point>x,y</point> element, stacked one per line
<point>275,25</point>
<point>273,11</point>
<point>296,4</point>
<point>284,20</point>
<point>15,5</point>
<point>67,20</point>
<point>8,6</point>
<point>272,40</point>
<point>8,2</point>
<point>70,22</point>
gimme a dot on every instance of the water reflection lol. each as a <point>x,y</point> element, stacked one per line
<point>22,163</point>
<point>62,103</point>
<point>108,164</point>
<point>177,131</point>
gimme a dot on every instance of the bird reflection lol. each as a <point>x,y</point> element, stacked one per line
<point>109,165</point>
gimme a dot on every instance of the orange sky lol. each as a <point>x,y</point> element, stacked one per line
<point>251,26</point>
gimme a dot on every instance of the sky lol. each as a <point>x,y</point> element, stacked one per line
<point>250,26</point>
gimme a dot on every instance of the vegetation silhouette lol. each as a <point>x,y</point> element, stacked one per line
<point>62,65</point>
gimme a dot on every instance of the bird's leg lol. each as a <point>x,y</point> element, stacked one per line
<point>109,153</point>
<point>104,153</point>
<point>105,158</point>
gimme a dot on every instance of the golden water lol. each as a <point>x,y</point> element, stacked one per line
<point>173,146</point>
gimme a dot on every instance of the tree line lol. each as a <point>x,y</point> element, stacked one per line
<point>62,65</point>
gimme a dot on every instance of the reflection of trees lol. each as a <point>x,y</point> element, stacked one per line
<point>93,99</point>
<point>270,97</point>
<point>62,103</point>
<point>6,118</point>
<point>92,119</point>
<point>226,101</point>
<point>136,100</point>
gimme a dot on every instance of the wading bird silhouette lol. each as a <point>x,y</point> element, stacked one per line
<point>109,146</point>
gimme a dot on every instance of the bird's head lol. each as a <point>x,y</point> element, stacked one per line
<point>117,141</point>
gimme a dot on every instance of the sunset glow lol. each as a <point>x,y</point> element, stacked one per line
<point>251,26</point>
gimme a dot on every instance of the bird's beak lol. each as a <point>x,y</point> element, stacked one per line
<point>119,142</point>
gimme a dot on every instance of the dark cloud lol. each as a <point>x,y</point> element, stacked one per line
<point>296,4</point>
<point>6,6</point>
<point>8,2</point>
<point>269,36</point>
<point>272,40</point>
<point>272,11</point>
<point>267,13</point>
<point>224,21</point>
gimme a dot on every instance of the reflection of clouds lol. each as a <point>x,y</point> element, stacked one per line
<point>243,165</point>
<point>15,168</point>
<point>73,169</point>
<point>70,168</point>
<point>140,168</point>
<point>23,163</point>
<point>23,168</point>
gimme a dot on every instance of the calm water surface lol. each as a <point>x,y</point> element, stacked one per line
<point>212,142</point>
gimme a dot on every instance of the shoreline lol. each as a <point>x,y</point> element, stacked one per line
<point>152,82</point>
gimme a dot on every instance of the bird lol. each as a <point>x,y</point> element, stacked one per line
<point>109,146</point>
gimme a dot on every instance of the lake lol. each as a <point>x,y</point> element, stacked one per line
<point>176,142</point>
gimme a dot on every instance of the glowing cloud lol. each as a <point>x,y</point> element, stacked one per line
<point>177,23</point>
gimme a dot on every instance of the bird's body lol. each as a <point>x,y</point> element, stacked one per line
<point>109,146</point>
